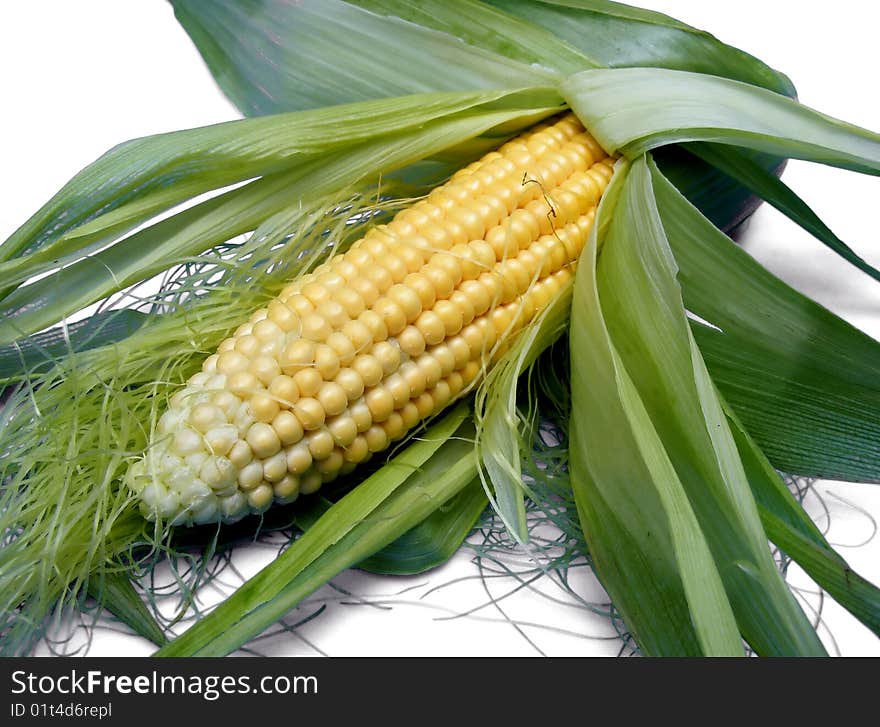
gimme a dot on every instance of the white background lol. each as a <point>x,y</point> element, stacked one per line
<point>79,77</point>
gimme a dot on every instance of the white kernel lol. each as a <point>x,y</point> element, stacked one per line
<point>234,507</point>
<point>187,441</point>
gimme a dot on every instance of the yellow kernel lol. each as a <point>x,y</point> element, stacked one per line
<point>377,439</point>
<point>425,405</point>
<point>446,263</point>
<point>310,483</point>
<point>470,372</point>
<point>243,384</point>
<point>422,286</point>
<point>300,305</point>
<point>359,335</point>
<point>250,476</point>
<point>307,381</point>
<point>388,356</point>
<point>464,307</point>
<point>392,314</point>
<point>333,398</point>
<point>299,458</point>
<point>414,378</point>
<point>469,219</point>
<point>442,394</point>
<point>395,266</point>
<point>232,362</point>
<point>441,282</point>
<point>309,412</point>
<point>333,313</point>
<point>342,347</point>
<point>261,497</point>
<point>226,345</point>
<point>266,330</point>
<point>275,467</point>
<point>263,440</point>
<point>285,391</point>
<point>461,351</point>
<point>298,355</point>
<point>263,406</point>
<point>240,454</point>
<point>244,330</point>
<point>331,464</point>
<point>430,370</point>
<point>394,427</point>
<point>455,383</point>
<point>361,415</point>
<point>450,316</point>
<point>283,316</point>
<point>316,293</point>
<point>366,290</point>
<point>443,355</point>
<point>380,402</point>
<point>409,256</point>
<point>286,489</point>
<point>378,276</point>
<point>343,430</point>
<point>369,369</point>
<point>375,324</point>
<point>265,368</point>
<point>351,382</point>
<point>477,295</point>
<point>357,451</point>
<point>407,299</point>
<point>288,428</point>
<point>326,361</point>
<point>315,327</point>
<point>396,386</point>
<point>431,327</point>
<point>410,415</point>
<point>248,346</point>
<point>348,300</point>
<point>320,444</point>
<point>411,341</point>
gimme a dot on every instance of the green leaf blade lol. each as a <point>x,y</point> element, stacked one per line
<point>633,110</point>
<point>645,540</point>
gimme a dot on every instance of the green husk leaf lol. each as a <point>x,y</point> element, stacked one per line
<point>771,189</point>
<point>188,233</point>
<point>803,382</point>
<point>645,540</point>
<point>116,593</point>
<point>646,320</point>
<point>860,597</point>
<point>269,69</point>
<point>325,52</point>
<point>156,172</point>
<point>721,199</point>
<point>789,527</point>
<point>378,511</point>
<point>434,540</point>
<point>633,110</point>
<point>620,36</point>
<point>501,428</point>
<point>427,545</point>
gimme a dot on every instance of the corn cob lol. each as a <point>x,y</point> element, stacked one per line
<point>352,356</point>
